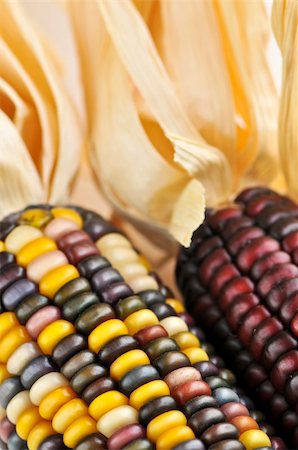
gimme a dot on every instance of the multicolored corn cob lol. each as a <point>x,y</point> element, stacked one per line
<point>240,281</point>
<point>104,355</point>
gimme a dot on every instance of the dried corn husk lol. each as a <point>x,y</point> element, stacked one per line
<point>40,136</point>
<point>133,174</point>
<point>224,80</point>
<point>285,26</point>
<point>182,105</point>
<point>180,101</point>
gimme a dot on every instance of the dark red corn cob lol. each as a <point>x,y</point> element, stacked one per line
<point>240,282</point>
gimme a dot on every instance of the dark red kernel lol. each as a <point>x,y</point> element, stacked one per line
<point>255,250</point>
<point>286,366</point>
<point>73,238</point>
<point>264,332</point>
<point>233,289</point>
<point>243,238</point>
<point>288,309</point>
<point>250,322</point>
<point>275,276</point>
<point>223,275</point>
<point>256,205</point>
<point>268,261</point>
<point>290,242</point>
<point>219,218</point>
<point>78,252</point>
<point>212,263</point>
<point>239,308</point>
<point>234,225</point>
<point>207,247</point>
<point>279,344</point>
<point>278,295</point>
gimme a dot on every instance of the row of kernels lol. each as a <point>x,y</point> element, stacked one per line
<point>19,402</point>
<point>43,391</point>
<point>194,353</point>
<point>205,308</point>
<point>240,416</point>
<point>42,388</point>
<point>56,400</point>
<point>52,334</point>
<point>130,359</point>
<point>101,425</point>
<point>108,245</point>
<point>40,436</point>
<point>49,336</point>
<point>145,318</point>
<point>117,249</point>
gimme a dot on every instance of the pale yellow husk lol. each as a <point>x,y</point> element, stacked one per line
<point>285,26</point>
<point>40,136</point>
<point>181,106</point>
<point>133,174</point>
<point>215,53</point>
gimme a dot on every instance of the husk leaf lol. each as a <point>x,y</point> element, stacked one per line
<point>225,81</point>
<point>180,102</point>
<point>136,175</point>
<point>43,126</point>
<point>180,108</point>
<point>285,26</point>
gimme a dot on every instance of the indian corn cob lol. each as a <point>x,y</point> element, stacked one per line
<point>240,281</point>
<point>101,351</point>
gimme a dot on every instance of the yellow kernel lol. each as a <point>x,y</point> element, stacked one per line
<point>186,339</point>
<point>38,434</point>
<point>127,362</point>
<point>34,249</point>
<point>78,430</point>
<point>105,332</point>
<point>176,304</point>
<point>68,413</point>
<point>106,402</point>
<point>171,438</point>
<point>11,341</point>
<point>164,422</point>
<point>140,319</point>
<point>3,373</point>
<point>56,278</point>
<point>27,421</point>
<point>252,439</point>
<point>196,354</point>
<point>35,217</point>
<point>147,392</point>
<point>8,320</point>
<point>144,261</point>
<point>54,333</point>
<point>67,213</point>
<point>52,402</point>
